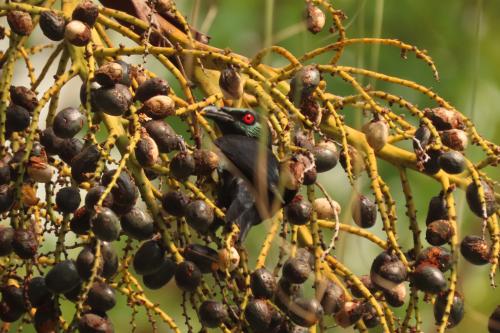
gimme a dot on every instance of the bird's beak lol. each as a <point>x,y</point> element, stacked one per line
<point>216,114</point>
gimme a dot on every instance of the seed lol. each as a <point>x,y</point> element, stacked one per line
<point>138,224</point>
<point>93,323</point>
<point>105,224</point>
<point>20,22</point>
<point>112,73</point>
<point>6,238</point>
<point>475,250</point>
<point>315,18</point>
<point>69,148</point>
<point>68,199</point>
<point>444,119</point>
<point>101,297</point>
<point>24,97</point>
<point>370,316</point>
<point>436,256</point>
<point>38,293</point>
<point>51,142</point>
<point>350,313</point>
<point>187,276</point>
<point>364,212</point>
<point>175,203</point>
<point>199,215</point>
<point>151,87</point>
<point>429,279</point>
<point>68,122</point>
<point>164,136</point>
<point>161,277</point>
<point>94,194</point>
<point>212,313</point>
<point>259,314</point>
<point>263,283</point>
<point>494,321</point>
<point>303,83</point>
<point>25,243</point>
<point>62,277</point>
<point>456,311</point>
<point>298,211</point>
<point>52,25</point>
<point>146,151</point>
<point>472,196</point>
<point>148,258</point>
<point>182,165</point>
<point>230,83</point>
<point>125,193</point>
<point>439,232</point>
<point>296,270</point>
<point>228,259</point>
<point>396,296</point>
<point>437,209</point>
<point>333,298</point>
<point>387,271</point>
<point>87,12</point>
<point>114,100</point>
<point>205,161</point>
<point>452,162</point>
<point>159,107</point>
<point>455,139</point>
<point>85,162</point>
<point>80,223</point>
<point>77,33</point>
<point>17,118</point>
<point>377,133</point>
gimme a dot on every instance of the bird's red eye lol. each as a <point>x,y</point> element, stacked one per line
<point>248,119</point>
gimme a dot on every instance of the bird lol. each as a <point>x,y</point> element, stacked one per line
<point>244,180</point>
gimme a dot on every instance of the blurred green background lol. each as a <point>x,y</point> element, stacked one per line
<point>461,36</point>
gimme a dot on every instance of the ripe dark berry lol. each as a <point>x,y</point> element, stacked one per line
<point>456,311</point>
<point>296,270</point>
<point>38,293</point>
<point>46,318</point>
<point>472,196</point>
<point>203,256</point>
<point>452,162</point>
<point>475,250</point>
<point>437,209</point>
<point>52,25</point>
<point>298,211</point>
<point>109,261</point>
<point>303,83</point>
<point>494,321</point>
<point>9,313</point>
<point>175,203</point>
<point>101,297</point>
<point>6,238</point>
<point>259,314</point>
<point>125,193</point>
<point>13,296</point>
<point>24,97</point>
<point>212,313</point>
<point>94,194</point>
<point>69,148</point>
<point>68,199</point>
<point>18,118</point>
<point>364,211</point>
<point>146,151</point>
<point>423,138</point>
<point>62,277</point>
<point>432,166</point>
<point>105,224</point>
<point>162,276</point>
<point>152,87</point>
<point>182,165</point>
<point>25,243</point>
<point>333,298</point>
<point>445,119</point>
<point>85,162</point>
<point>429,279</point>
<point>6,198</point>
<point>114,100</point>
<point>436,256</point>
<point>137,224</point>
<point>86,11</point>
<point>199,215</point>
<point>387,271</point>
<point>439,232</point>
<point>315,18</point>
<point>77,33</point>
<point>159,107</point>
<point>50,141</point>
<point>20,22</point>
<point>326,156</point>
<point>94,323</point>
<point>68,122</point>
<point>187,276</point>
<point>263,283</point>
<point>80,222</point>
<point>148,258</point>
<point>164,136</point>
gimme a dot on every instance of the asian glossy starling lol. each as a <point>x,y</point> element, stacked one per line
<point>250,192</point>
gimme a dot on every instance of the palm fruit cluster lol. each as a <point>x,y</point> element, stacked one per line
<point>138,203</point>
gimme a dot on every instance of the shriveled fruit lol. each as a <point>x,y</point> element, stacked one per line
<point>231,83</point>
<point>377,133</point>
<point>146,151</point>
<point>315,18</point>
<point>85,162</point>
<point>77,33</point>
<point>439,232</point>
<point>158,107</point>
<point>112,73</point>
<point>20,22</point>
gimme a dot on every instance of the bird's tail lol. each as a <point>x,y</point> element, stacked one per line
<point>246,220</point>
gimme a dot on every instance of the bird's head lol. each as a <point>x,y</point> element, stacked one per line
<point>235,121</point>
